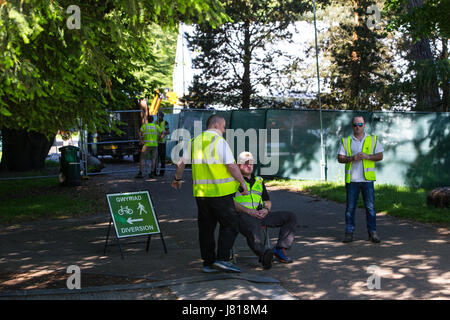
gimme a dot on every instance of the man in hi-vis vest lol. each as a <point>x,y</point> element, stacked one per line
<point>216,178</point>
<point>255,213</point>
<point>359,152</point>
<point>148,135</point>
<point>164,129</point>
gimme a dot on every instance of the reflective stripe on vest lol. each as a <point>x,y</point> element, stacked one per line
<point>212,181</point>
<point>348,165</point>
<point>254,198</point>
<point>150,135</point>
<point>210,175</point>
<point>368,165</point>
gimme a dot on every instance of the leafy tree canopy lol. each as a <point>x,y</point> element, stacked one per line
<point>422,18</point>
<point>52,75</point>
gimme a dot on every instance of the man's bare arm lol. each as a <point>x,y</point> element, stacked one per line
<point>180,169</point>
<point>345,159</point>
<point>268,204</point>
<point>376,157</point>
<point>177,182</point>
<point>236,173</point>
<point>360,156</point>
<point>241,209</point>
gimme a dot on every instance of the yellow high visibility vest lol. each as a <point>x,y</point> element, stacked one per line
<point>150,132</point>
<point>368,166</point>
<point>210,176</point>
<point>254,198</point>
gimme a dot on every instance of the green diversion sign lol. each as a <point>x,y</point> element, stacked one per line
<point>133,214</point>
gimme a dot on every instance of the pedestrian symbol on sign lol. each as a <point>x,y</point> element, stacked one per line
<point>141,208</point>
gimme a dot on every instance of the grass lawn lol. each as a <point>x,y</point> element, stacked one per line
<point>402,202</point>
<point>30,199</point>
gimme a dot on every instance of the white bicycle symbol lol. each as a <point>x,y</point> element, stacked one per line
<point>125,210</point>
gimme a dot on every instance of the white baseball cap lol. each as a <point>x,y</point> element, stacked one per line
<point>244,157</point>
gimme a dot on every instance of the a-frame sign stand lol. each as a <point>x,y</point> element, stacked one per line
<point>133,215</point>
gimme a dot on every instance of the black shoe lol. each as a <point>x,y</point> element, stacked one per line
<point>373,237</point>
<point>139,176</point>
<point>266,259</point>
<point>348,237</point>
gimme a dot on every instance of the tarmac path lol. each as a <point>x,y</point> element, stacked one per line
<point>411,262</point>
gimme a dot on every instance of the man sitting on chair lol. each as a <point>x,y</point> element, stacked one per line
<point>254,216</point>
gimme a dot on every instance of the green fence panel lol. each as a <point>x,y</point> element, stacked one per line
<point>416,144</point>
<point>173,120</point>
<point>186,122</point>
<point>297,145</point>
<point>247,125</point>
<point>188,119</point>
<point>411,141</point>
<point>417,148</point>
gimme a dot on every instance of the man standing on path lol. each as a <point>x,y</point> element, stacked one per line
<point>148,135</point>
<point>359,153</point>
<point>164,129</point>
<point>254,215</point>
<point>216,177</point>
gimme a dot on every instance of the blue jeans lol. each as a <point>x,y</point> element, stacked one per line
<point>368,192</point>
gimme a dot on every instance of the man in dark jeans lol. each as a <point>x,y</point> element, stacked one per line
<point>255,213</point>
<point>359,152</point>
<point>164,129</point>
<point>215,177</point>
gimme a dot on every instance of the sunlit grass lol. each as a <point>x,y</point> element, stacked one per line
<point>399,201</point>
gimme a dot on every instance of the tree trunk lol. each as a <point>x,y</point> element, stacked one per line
<point>355,35</point>
<point>355,61</point>
<point>24,151</point>
<point>427,92</point>
<point>246,85</point>
<point>445,80</point>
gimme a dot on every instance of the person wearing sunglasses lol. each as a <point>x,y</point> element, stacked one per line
<point>255,213</point>
<point>359,152</point>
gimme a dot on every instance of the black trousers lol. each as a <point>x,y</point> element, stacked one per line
<point>162,157</point>
<point>213,210</point>
<point>250,228</point>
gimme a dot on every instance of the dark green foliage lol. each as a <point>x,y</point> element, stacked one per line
<point>240,59</point>
<point>52,75</point>
<point>422,22</point>
<point>361,75</point>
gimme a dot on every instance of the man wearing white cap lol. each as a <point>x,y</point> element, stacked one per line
<point>254,213</point>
